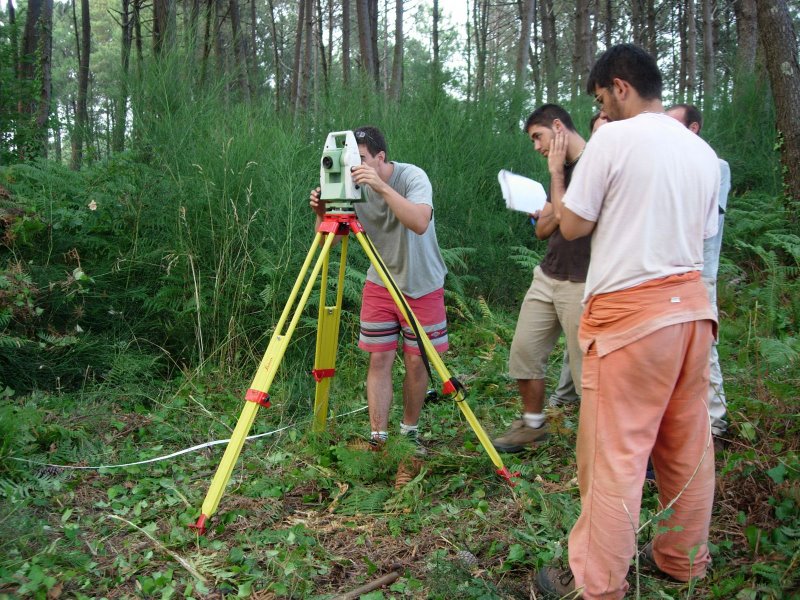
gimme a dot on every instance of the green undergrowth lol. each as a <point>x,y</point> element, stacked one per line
<point>138,296</point>
<point>313,515</point>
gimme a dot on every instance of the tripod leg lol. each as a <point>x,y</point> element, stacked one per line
<point>257,395</point>
<point>327,341</point>
<point>433,356</point>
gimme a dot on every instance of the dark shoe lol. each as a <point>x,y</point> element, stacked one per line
<point>556,583</point>
<point>520,437</point>
<point>647,561</point>
<point>419,447</point>
<point>720,444</point>
<point>650,473</point>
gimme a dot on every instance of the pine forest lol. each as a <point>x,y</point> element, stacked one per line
<point>157,159</point>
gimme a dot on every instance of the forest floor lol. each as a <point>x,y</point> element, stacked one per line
<point>316,516</point>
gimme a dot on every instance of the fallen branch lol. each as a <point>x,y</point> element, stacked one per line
<point>372,585</point>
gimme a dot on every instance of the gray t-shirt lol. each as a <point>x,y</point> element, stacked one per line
<point>414,261</point>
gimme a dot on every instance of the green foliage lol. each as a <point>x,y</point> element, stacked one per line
<point>137,296</point>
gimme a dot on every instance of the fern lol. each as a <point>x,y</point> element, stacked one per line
<point>455,258</point>
<point>364,501</point>
<point>779,354</point>
<point>526,258</point>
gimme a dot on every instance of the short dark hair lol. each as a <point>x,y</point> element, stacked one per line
<point>546,114</point>
<point>629,63</point>
<point>372,138</point>
<point>691,114</point>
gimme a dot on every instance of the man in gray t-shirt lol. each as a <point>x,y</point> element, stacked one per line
<point>398,218</point>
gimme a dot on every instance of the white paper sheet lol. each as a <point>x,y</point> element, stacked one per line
<point>521,193</point>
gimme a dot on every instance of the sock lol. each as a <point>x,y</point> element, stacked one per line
<point>406,429</point>
<point>380,436</point>
<point>534,420</point>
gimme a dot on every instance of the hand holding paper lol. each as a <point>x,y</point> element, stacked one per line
<point>521,193</point>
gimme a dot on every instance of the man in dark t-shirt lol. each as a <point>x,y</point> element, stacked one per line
<point>553,302</point>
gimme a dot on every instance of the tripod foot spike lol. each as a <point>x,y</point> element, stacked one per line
<point>508,476</point>
<point>200,526</point>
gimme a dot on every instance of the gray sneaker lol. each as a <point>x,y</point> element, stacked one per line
<point>520,437</point>
<point>419,447</point>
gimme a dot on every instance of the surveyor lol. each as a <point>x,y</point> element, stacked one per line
<point>398,217</point>
<point>646,191</point>
<point>553,301</point>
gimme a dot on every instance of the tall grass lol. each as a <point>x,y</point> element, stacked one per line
<point>201,227</point>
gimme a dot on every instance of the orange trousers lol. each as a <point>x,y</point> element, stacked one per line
<point>646,397</point>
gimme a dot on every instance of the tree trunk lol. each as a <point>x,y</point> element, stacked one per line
<point>779,41</point>
<point>609,23</point>
<point>396,89</point>
<point>746,35</point>
<point>581,57</point>
<point>480,10</point>
<point>254,72</point>
<point>297,64</point>
<point>81,129</point>
<point>220,46</point>
<point>305,79</point>
<point>121,107</point>
<point>323,54</point>
<point>191,18</point>
<point>708,55</point>
<point>365,38</point>
<point>13,38</point>
<point>346,43</point>
<point>372,9</point>
<point>636,22</point>
<point>276,57</point>
<point>691,51</point>
<point>239,52</point>
<point>436,63</point>
<point>550,49</point>
<point>652,33</point>
<point>137,31</point>
<point>533,56</point>
<point>34,68</point>
<point>206,42</point>
<point>57,141</point>
<point>523,46</point>
<point>163,26</point>
<point>46,83</point>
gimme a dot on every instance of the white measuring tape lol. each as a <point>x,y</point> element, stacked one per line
<point>174,454</point>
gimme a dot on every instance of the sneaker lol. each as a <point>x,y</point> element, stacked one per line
<point>520,437</point>
<point>419,447</point>
<point>556,401</point>
<point>556,583</point>
<point>376,444</point>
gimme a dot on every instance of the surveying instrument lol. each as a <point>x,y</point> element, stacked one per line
<point>339,192</point>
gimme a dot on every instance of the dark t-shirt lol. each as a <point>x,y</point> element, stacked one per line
<point>567,260</point>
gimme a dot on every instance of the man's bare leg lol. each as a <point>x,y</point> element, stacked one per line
<point>532,393</point>
<point>379,389</point>
<point>415,386</point>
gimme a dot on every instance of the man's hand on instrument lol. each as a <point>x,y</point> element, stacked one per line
<point>317,205</point>
<point>365,175</point>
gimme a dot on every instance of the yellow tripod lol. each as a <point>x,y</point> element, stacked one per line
<point>339,222</point>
